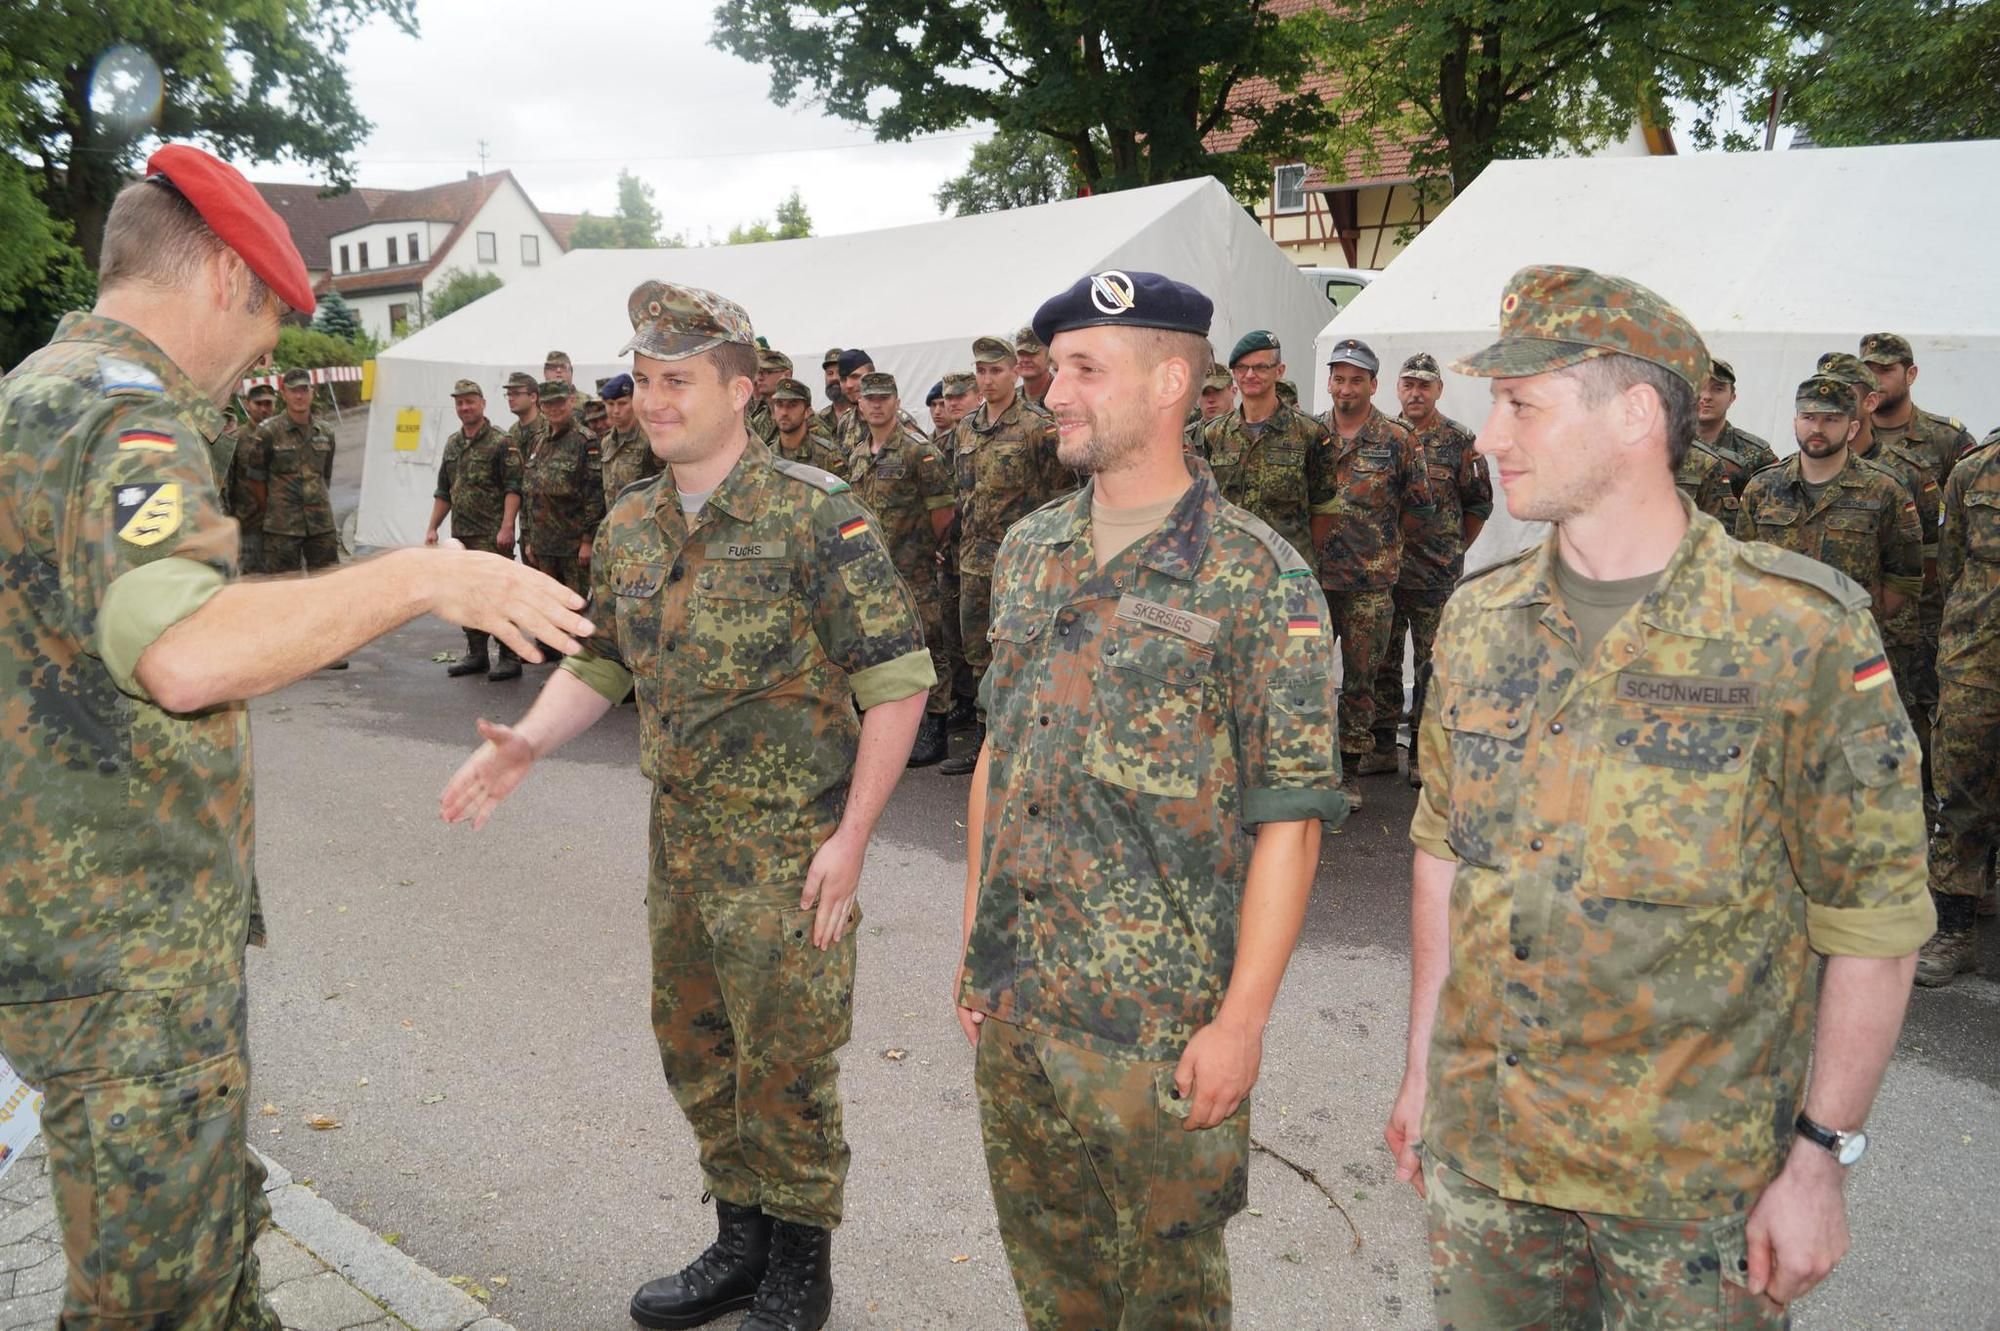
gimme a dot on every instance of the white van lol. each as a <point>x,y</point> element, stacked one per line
<point>1340,285</point>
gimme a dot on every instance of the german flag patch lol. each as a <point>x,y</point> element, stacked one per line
<point>145,441</point>
<point>1871,674</point>
<point>148,514</point>
<point>1302,626</point>
<point>853,527</point>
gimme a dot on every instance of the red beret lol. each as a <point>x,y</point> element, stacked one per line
<point>237,213</point>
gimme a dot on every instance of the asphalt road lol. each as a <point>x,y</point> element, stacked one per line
<point>472,1009</point>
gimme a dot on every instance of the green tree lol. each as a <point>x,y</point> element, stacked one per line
<point>794,223</point>
<point>634,225</point>
<point>458,289</point>
<point>336,317</point>
<point>1463,82</point>
<point>1011,170</point>
<point>1859,83</point>
<point>1131,87</point>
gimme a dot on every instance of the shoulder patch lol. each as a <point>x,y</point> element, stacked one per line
<point>1796,567</point>
<point>148,513</point>
<point>145,441</point>
<point>123,378</point>
<point>813,476</point>
<point>1290,561</point>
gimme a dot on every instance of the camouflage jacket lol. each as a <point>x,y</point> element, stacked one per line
<point>1654,847</point>
<point>816,449</point>
<point>625,456</point>
<point>562,492</point>
<point>1743,455</point>
<point>475,476</point>
<point>294,464</point>
<point>1460,486</point>
<point>1704,478</point>
<point>833,419</point>
<point>901,486</point>
<point>128,852</point>
<point>1141,722</point>
<point>1969,569</point>
<point>1369,483</point>
<point>1864,525</point>
<point>761,422</point>
<point>1264,468</point>
<point>750,636</point>
<point>1935,441</point>
<point>1006,469</point>
<point>1918,620</point>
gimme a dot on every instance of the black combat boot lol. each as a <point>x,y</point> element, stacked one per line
<point>964,714</point>
<point>474,660</point>
<point>721,1280</point>
<point>508,667</point>
<point>797,1293</point>
<point>932,744</point>
<point>964,764</point>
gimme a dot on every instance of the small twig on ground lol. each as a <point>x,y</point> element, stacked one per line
<point>1312,1178</point>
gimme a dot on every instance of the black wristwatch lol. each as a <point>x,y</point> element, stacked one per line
<point>1846,1147</point>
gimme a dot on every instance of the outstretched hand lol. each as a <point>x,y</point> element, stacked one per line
<point>488,776</point>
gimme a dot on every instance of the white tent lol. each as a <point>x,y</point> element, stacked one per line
<point>915,297</point>
<point>1776,257</point>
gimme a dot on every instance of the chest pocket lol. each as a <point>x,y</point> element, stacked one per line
<point>1146,735</point>
<point>1488,733</point>
<point>1852,520</point>
<point>635,590</point>
<point>1667,804</point>
<point>1982,525</point>
<point>1779,520</point>
<point>747,636</point>
<point>1016,633</point>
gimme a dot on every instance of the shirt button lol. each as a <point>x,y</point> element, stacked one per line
<point>1063,629</point>
<point>1045,720</point>
<point>1521,953</point>
<point>1625,740</point>
<point>1034,810</point>
<point>1555,727</point>
<point>1735,751</point>
<point>1536,844</point>
<point>666,790</point>
<point>108,766</point>
<point>670,644</point>
<point>1513,1060</point>
<point>1028,897</point>
<point>1513,721</point>
<point>676,574</point>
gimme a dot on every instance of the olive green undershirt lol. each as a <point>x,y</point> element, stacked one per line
<point>1113,531</point>
<point>143,603</point>
<point>1596,606</point>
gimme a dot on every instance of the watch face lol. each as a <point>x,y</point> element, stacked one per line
<point>1852,1148</point>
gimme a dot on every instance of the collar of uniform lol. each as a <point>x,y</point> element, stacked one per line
<point>1372,430</point>
<point>187,401</point>
<point>1175,549</point>
<point>1691,597</point>
<point>993,422</point>
<point>741,494</point>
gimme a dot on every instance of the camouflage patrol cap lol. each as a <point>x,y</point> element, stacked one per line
<point>1217,377</point>
<point>878,384</point>
<point>1288,392</point>
<point>1886,349</point>
<point>298,379</point>
<point>555,358</point>
<point>672,322</point>
<point>261,393</point>
<point>768,360</point>
<point>958,383</point>
<point>1823,393</point>
<point>832,357</point>
<point>1849,368</point>
<point>553,390</point>
<point>1423,365</point>
<point>1553,316</point>
<point>1721,371</point>
<point>522,379</point>
<point>594,408</point>
<point>791,390</point>
<point>991,350</point>
<point>1026,340</point>
<point>467,388</point>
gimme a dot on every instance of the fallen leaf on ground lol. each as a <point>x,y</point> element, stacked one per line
<point>434,1099</point>
<point>362,1082</point>
<point>444,658</point>
<point>322,1122</point>
<point>498,1282</point>
<point>960,1257</point>
<point>408,1024</point>
<point>270,1110</point>
<point>895,1055</point>
<point>392,1238</point>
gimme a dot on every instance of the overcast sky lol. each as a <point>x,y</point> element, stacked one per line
<point>565,95</point>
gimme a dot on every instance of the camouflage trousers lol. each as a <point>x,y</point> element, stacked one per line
<point>931,614</point>
<point>1111,1212</point>
<point>1417,611</point>
<point>159,1199</point>
<point>1361,621</point>
<point>285,554</point>
<point>1500,1265</point>
<point>959,674</point>
<point>570,571</point>
<point>749,1016</point>
<point>1967,755</point>
<point>1913,665</point>
<point>975,616</point>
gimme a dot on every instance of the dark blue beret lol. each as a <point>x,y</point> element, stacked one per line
<point>853,359</point>
<point>1127,300</point>
<point>618,385</point>
<point>936,393</point>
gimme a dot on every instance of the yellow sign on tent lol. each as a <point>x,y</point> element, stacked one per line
<point>409,429</point>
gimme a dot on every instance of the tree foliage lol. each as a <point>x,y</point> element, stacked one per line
<point>1131,87</point>
<point>336,317</point>
<point>1467,81</point>
<point>1899,71</point>
<point>1011,170</point>
<point>457,289</point>
<point>794,223</point>
<point>313,349</point>
<point>634,225</point>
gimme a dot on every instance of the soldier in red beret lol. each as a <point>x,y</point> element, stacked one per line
<point>129,650</point>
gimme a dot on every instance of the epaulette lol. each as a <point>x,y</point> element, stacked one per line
<point>1288,557</point>
<point>118,377</point>
<point>1796,567</point>
<point>643,483</point>
<point>813,476</point>
<point>1509,562</point>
